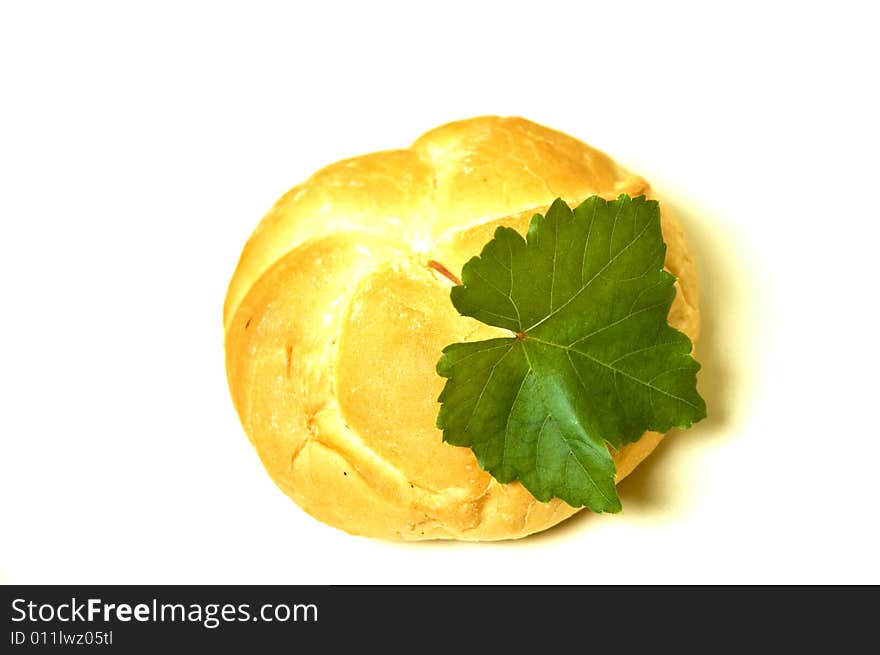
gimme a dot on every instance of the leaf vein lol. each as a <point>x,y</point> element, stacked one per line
<point>622,372</point>
<point>591,280</point>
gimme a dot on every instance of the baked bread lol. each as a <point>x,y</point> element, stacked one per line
<point>335,320</point>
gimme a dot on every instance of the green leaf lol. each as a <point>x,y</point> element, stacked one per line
<point>592,360</point>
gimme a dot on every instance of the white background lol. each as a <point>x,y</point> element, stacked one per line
<point>140,144</point>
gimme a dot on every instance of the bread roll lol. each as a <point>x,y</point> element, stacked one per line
<point>335,320</point>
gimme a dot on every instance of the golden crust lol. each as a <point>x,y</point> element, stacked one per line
<point>334,322</point>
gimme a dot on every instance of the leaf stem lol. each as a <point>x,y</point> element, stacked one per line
<point>445,272</point>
